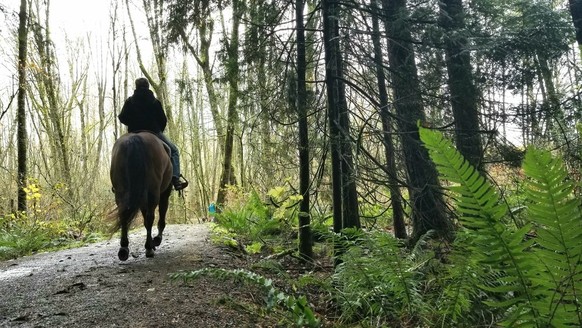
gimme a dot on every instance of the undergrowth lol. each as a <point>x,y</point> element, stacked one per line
<point>514,262</point>
<point>44,226</point>
<point>498,271</point>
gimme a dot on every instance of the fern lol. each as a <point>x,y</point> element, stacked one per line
<point>378,281</point>
<point>459,301</point>
<point>499,250</point>
<point>555,214</point>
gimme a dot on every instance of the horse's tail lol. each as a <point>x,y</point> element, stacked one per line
<point>133,164</point>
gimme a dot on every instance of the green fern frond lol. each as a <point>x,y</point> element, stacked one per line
<point>458,301</point>
<point>473,194</point>
<point>493,245</point>
<point>555,214</point>
<point>378,281</point>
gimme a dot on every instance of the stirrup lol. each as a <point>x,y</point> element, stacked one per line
<point>179,185</point>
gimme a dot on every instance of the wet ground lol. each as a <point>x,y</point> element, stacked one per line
<point>90,287</point>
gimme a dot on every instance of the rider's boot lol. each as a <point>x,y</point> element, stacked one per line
<point>179,182</point>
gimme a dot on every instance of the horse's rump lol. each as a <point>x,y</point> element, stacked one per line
<point>140,171</point>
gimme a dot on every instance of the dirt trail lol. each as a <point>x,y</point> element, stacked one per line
<point>90,287</point>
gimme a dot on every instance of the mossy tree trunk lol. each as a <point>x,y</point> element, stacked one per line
<point>232,69</point>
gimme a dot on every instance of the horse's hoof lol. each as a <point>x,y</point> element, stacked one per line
<point>157,240</point>
<point>149,253</point>
<point>123,253</point>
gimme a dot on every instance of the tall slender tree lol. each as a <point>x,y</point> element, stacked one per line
<point>257,52</point>
<point>156,18</point>
<point>232,71</point>
<point>191,24</point>
<point>21,116</point>
<point>395,194</point>
<point>116,53</point>
<point>156,22</point>
<point>576,13</point>
<point>50,102</point>
<point>345,201</point>
<point>196,15</point>
<point>305,242</point>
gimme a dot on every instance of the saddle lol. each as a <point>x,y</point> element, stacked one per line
<point>166,147</point>
<point>176,182</point>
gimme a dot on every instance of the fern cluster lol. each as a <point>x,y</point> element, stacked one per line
<point>532,274</point>
<point>380,281</point>
<point>248,217</point>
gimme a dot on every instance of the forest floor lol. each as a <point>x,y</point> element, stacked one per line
<point>90,287</point>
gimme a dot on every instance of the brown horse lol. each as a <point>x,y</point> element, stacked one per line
<point>141,173</point>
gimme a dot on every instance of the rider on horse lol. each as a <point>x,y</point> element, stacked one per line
<point>142,111</point>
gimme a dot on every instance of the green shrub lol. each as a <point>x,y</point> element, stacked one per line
<point>375,215</point>
<point>498,271</point>
<point>247,216</point>
<point>44,226</point>
<point>21,235</point>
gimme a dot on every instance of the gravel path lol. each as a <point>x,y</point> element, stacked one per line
<point>90,287</point>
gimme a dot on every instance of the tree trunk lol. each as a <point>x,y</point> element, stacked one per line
<point>154,11</point>
<point>21,111</point>
<point>116,60</point>
<point>395,195</point>
<point>191,93</point>
<point>227,176</point>
<point>345,202</point>
<point>552,113</point>
<point>428,211</point>
<point>461,85</point>
<point>267,149</point>
<point>305,239</point>
<point>101,96</point>
<point>205,30</point>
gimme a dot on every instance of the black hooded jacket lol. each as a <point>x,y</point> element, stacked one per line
<point>142,111</point>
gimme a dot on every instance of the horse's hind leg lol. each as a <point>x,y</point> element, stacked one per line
<point>163,209</point>
<point>148,221</point>
<point>123,253</point>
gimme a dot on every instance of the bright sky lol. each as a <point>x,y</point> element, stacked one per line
<point>69,19</point>
<point>76,20</point>
<point>86,21</point>
<point>76,17</point>
<point>79,17</point>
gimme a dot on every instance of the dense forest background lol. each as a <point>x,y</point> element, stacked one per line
<point>310,108</point>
